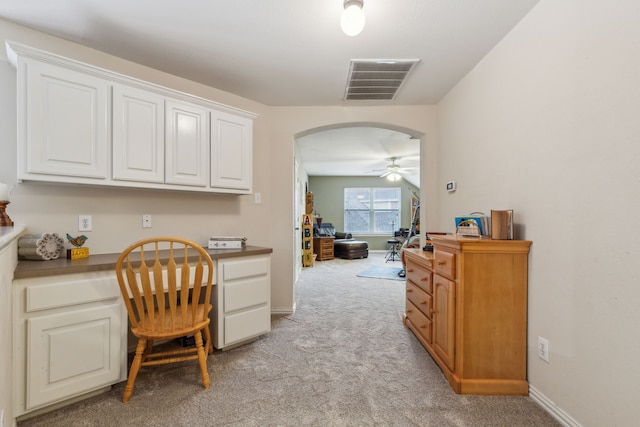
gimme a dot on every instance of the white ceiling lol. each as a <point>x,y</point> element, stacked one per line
<point>284,52</point>
<point>360,151</point>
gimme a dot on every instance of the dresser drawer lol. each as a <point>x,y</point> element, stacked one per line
<point>422,300</point>
<point>420,276</point>
<point>421,322</point>
<point>445,263</point>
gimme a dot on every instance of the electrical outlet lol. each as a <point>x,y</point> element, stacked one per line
<point>85,223</point>
<point>146,221</point>
<point>543,349</point>
<point>257,197</point>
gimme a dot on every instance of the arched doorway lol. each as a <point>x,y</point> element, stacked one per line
<point>353,149</point>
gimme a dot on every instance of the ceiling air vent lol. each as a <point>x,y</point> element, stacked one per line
<point>377,80</point>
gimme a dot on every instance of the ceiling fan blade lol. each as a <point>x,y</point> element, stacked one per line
<point>386,173</point>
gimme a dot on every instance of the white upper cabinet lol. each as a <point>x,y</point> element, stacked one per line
<point>81,124</point>
<point>138,135</point>
<point>64,126</point>
<point>187,144</point>
<point>231,151</point>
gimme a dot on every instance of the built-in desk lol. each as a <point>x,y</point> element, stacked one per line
<point>70,325</point>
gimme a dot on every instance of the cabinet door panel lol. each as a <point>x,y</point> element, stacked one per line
<point>72,353</point>
<point>138,135</point>
<point>65,128</point>
<point>187,144</point>
<point>231,151</point>
<point>444,319</point>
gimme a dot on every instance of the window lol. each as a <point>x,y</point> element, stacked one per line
<point>371,210</point>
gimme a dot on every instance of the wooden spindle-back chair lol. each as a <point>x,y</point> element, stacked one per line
<point>166,286</point>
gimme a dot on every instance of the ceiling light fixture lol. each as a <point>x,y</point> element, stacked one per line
<point>353,20</point>
<point>394,176</point>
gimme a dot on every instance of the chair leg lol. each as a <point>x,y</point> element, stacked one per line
<point>209,342</point>
<point>202,360</point>
<point>135,367</point>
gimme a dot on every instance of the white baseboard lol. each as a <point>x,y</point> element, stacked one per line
<point>561,416</point>
<point>283,310</point>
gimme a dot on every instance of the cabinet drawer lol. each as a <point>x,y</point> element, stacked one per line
<point>420,321</point>
<point>420,299</point>
<point>246,293</point>
<point>247,324</point>
<point>238,269</point>
<point>71,292</point>
<point>420,276</point>
<point>445,263</point>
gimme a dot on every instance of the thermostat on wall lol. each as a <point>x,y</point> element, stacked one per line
<point>451,186</point>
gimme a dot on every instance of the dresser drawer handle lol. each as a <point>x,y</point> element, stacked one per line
<point>409,290</point>
<point>440,262</point>
<point>422,301</point>
<point>424,279</point>
<point>410,270</point>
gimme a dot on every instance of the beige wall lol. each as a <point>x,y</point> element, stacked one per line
<point>547,124</point>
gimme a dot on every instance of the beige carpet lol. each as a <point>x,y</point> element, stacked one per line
<point>343,359</point>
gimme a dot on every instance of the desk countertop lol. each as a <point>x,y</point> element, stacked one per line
<point>104,262</point>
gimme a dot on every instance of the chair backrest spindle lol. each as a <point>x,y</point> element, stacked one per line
<point>165,286</point>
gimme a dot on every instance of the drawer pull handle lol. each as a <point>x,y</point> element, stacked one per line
<point>410,270</point>
<point>422,301</point>
<point>409,290</point>
<point>440,262</point>
<point>409,311</point>
<point>424,279</point>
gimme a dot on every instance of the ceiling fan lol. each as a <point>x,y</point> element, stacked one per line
<point>393,171</point>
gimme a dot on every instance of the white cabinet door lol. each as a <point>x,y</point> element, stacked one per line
<point>65,128</point>
<point>231,151</point>
<point>69,337</point>
<point>72,352</point>
<point>187,144</point>
<point>138,135</point>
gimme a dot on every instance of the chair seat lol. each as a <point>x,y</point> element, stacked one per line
<point>160,330</point>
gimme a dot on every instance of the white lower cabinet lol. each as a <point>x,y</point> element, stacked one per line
<point>242,300</point>
<point>70,331</point>
<point>69,338</point>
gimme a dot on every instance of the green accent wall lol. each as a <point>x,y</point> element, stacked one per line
<point>328,201</point>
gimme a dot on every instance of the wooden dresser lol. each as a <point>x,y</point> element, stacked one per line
<point>323,247</point>
<point>467,304</point>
